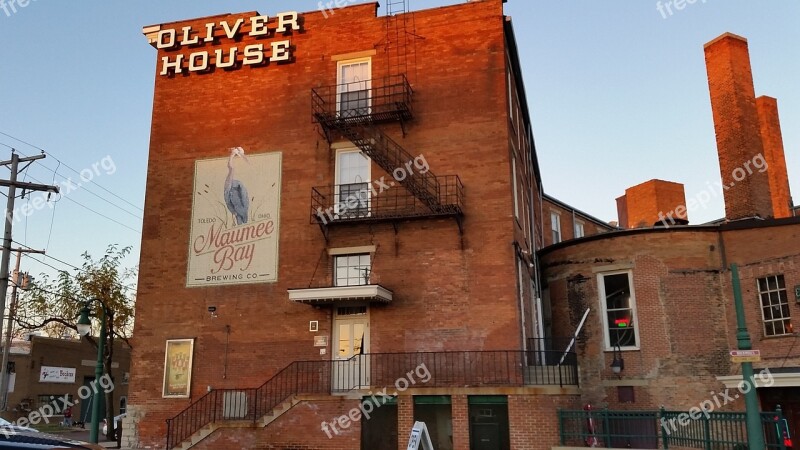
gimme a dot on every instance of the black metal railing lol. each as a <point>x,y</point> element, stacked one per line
<point>376,100</point>
<point>646,429</point>
<point>381,200</point>
<point>375,370</point>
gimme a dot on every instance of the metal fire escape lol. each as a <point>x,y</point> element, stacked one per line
<point>353,112</point>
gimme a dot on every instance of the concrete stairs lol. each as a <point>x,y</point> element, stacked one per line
<point>262,422</point>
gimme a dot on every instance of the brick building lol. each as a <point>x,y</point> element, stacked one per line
<point>299,254</point>
<point>660,292</point>
<point>47,369</point>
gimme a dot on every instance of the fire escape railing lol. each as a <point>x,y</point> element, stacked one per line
<point>376,100</point>
<point>382,200</point>
<point>512,368</point>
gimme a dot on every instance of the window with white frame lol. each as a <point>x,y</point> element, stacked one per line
<point>352,270</point>
<point>775,306</point>
<point>354,87</point>
<point>555,226</point>
<point>514,182</point>
<point>352,184</point>
<point>618,303</point>
<point>579,230</point>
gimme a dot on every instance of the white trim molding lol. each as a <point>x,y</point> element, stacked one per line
<point>775,380</point>
<point>328,295</point>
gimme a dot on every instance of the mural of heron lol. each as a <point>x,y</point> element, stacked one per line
<point>236,197</point>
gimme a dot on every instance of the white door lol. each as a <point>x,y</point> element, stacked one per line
<point>354,88</point>
<point>351,347</point>
<point>352,184</point>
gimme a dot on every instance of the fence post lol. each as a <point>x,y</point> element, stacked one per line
<point>780,430</point>
<point>707,431</point>
<point>561,427</point>
<point>606,428</point>
<point>663,427</point>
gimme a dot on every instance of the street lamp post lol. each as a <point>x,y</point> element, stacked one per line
<point>84,328</point>
<point>755,436</point>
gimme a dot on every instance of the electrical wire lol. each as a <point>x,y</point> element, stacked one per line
<point>128,287</point>
<point>69,167</point>
<point>84,187</point>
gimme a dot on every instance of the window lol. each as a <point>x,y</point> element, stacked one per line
<point>555,225</point>
<point>514,182</point>
<point>352,184</point>
<point>352,270</point>
<point>579,231</point>
<point>354,86</point>
<point>619,310</point>
<point>774,306</point>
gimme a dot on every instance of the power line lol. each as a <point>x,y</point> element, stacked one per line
<point>79,269</point>
<point>69,167</point>
<point>84,187</point>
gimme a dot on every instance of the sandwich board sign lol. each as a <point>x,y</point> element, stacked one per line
<point>420,439</point>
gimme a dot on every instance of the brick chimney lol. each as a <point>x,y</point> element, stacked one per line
<point>738,128</point>
<point>653,203</point>
<point>774,156</point>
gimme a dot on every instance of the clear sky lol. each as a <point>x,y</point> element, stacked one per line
<point>617,92</point>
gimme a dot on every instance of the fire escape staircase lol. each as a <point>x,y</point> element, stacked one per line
<point>423,194</point>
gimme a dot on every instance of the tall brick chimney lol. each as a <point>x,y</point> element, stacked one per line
<point>738,128</point>
<point>775,157</point>
<point>653,203</point>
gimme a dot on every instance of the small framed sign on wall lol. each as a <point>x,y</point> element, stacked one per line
<point>178,368</point>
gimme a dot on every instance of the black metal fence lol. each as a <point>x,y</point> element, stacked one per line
<point>648,429</point>
<point>394,371</point>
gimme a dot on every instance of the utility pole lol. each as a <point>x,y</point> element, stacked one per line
<point>12,183</point>
<point>5,375</point>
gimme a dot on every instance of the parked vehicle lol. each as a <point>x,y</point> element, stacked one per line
<point>13,439</point>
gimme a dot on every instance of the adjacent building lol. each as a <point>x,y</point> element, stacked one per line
<point>47,373</point>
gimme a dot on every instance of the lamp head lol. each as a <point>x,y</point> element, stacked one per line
<point>618,364</point>
<point>84,323</point>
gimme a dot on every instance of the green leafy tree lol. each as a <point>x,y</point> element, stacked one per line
<point>53,304</point>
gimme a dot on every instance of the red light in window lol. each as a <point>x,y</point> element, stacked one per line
<point>622,323</point>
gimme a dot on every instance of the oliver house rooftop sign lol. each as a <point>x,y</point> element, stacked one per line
<point>268,31</point>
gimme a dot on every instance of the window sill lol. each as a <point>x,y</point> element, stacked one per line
<point>780,336</point>
<point>622,349</point>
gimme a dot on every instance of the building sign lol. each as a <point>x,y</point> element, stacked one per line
<point>235,220</point>
<point>255,54</point>
<point>57,375</point>
<point>178,368</point>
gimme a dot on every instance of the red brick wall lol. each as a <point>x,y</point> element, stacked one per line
<point>533,420</point>
<point>651,202</point>
<point>684,303</point>
<point>450,292</point>
<point>298,429</point>
<point>590,227</point>
<point>774,155</point>
<point>736,121</point>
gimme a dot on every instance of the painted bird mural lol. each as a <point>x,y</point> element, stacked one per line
<point>236,197</point>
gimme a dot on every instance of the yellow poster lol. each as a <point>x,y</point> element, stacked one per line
<point>235,219</point>
<point>178,368</point>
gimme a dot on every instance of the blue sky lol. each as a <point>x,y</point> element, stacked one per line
<point>617,92</point>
